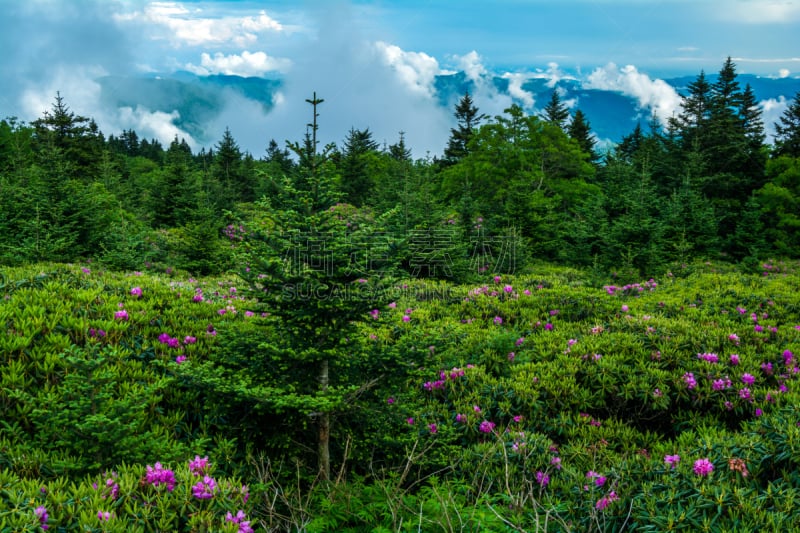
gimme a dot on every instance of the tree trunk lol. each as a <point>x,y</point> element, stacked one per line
<point>324,425</point>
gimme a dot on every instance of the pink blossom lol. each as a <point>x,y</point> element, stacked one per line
<point>703,467</point>
<point>136,291</point>
<point>672,460</point>
<point>486,426</point>
<point>198,465</point>
<point>542,478</point>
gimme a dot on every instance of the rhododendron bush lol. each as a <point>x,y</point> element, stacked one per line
<point>542,401</point>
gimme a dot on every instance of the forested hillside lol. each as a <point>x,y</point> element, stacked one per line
<point>704,185</point>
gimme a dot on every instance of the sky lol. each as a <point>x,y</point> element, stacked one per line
<point>374,62</point>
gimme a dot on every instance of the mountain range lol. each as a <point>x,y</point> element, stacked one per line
<point>194,102</point>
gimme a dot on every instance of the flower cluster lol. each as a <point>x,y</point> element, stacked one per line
<point>234,233</point>
<point>738,465</point>
<point>710,357</point>
<point>604,502</point>
<point>41,514</point>
<point>444,375</point>
<point>486,426</point>
<point>672,460</point>
<point>240,519</point>
<point>111,487</point>
<point>632,288</point>
<point>198,466</point>
<point>204,489</point>
<point>542,478</point>
<point>703,467</point>
<point>158,475</point>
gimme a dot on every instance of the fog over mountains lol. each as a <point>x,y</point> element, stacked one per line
<point>192,68</point>
<point>257,109</point>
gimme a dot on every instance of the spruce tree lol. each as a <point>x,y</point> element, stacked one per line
<point>580,130</point>
<point>555,112</point>
<point>787,130</point>
<point>469,118</point>
<point>355,180</point>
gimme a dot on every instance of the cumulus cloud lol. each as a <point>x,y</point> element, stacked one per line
<point>485,94</point>
<point>244,64</point>
<point>76,85</point>
<point>784,73</point>
<point>365,82</point>
<point>553,74</point>
<point>515,82</point>
<point>173,21</point>
<point>152,124</point>
<point>417,70</point>
<point>771,111</point>
<point>655,95</point>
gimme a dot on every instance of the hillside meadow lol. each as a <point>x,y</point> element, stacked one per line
<point>545,401</point>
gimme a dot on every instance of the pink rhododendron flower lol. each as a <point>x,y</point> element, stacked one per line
<point>486,426</point>
<point>672,460</point>
<point>703,467</point>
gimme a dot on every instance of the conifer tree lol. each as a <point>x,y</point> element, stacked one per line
<point>580,130</point>
<point>355,181</point>
<point>555,112</point>
<point>469,118</point>
<point>787,130</point>
<point>76,137</point>
<point>304,259</point>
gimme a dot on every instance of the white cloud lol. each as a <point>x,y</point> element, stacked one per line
<point>471,65</point>
<point>771,111</point>
<point>149,124</point>
<point>515,81</point>
<point>784,73</point>
<point>655,95</point>
<point>83,95</point>
<point>244,64</point>
<point>181,26</point>
<point>417,70</point>
<point>485,94</point>
<point>76,85</point>
<point>553,74</point>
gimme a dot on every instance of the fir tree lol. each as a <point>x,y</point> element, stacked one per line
<point>580,130</point>
<point>469,119</point>
<point>555,112</point>
<point>787,130</point>
<point>356,182</point>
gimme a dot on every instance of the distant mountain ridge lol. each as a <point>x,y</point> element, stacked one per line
<point>199,99</point>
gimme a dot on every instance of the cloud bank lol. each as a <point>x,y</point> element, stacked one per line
<point>657,96</point>
<point>245,64</point>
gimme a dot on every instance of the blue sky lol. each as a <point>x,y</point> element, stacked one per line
<point>363,54</point>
